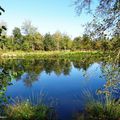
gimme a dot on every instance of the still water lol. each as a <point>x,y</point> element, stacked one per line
<point>62,82</point>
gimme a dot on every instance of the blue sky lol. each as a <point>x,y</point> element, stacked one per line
<point>47,15</point>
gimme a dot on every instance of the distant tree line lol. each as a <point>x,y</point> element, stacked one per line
<point>27,38</point>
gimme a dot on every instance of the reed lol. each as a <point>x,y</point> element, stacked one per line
<point>99,109</point>
<point>32,108</point>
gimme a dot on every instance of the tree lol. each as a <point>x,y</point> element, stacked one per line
<point>77,43</point>
<point>105,16</point>
<point>18,39</point>
<point>48,42</point>
<point>115,42</point>
<point>35,41</point>
<point>104,45</point>
<point>86,43</point>
<point>3,74</point>
<point>66,42</point>
<point>38,41</point>
<point>17,32</point>
<point>28,28</point>
<point>57,38</point>
<point>3,42</point>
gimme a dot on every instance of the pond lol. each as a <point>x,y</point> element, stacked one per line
<point>62,82</point>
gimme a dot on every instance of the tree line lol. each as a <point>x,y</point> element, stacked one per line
<point>27,38</point>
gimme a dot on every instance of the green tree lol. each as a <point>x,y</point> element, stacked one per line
<point>115,42</point>
<point>77,43</point>
<point>5,78</point>
<point>66,42</point>
<point>57,38</point>
<point>38,41</point>
<point>10,43</point>
<point>34,42</point>
<point>17,32</point>
<point>26,43</point>
<point>48,42</point>
<point>18,39</point>
<point>86,43</point>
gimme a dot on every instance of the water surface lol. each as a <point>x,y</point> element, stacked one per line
<point>63,82</point>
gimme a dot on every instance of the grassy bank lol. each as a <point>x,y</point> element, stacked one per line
<point>97,110</point>
<point>26,111</point>
<point>48,54</point>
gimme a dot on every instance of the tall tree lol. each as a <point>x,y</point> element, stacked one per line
<point>77,43</point>
<point>48,42</point>
<point>86,43</point>
<point>38,42</point>
<point>66,42</point>
<point>57,36</point>
<point>28,28</point>
<point>18,40</point>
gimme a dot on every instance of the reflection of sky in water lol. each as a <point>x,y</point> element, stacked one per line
<point>66,88</point>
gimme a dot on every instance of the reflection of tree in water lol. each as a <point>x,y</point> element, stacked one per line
<point>84,63</point>
<point>48,66</point>
<point>30,79</point>
<point>67,67</point>
<point>34,67</point>
<point>58,67</point>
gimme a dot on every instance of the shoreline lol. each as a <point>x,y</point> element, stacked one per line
<point>45,54</point>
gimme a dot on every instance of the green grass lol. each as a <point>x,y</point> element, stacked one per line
<point>46,54</point>
<point>100,110</point>
<point>26,111</point>
<point>31,108</point>
<point>103,111</point>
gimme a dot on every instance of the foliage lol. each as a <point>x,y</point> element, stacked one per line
<point>17,38</point>
<point>111,73</point>
<point>97,110</point>
<point>59,64</point>
<point>57,41</point>
<point>105,16</point>
<point>48,42</point>
<point>26,111</point>
<point>29,39</point>
<point>98,107</point>
<point>5,76</point>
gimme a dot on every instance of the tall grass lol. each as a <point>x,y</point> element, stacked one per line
<point>26,111</point>
<point>100,108</point>
<point>32,108</point>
